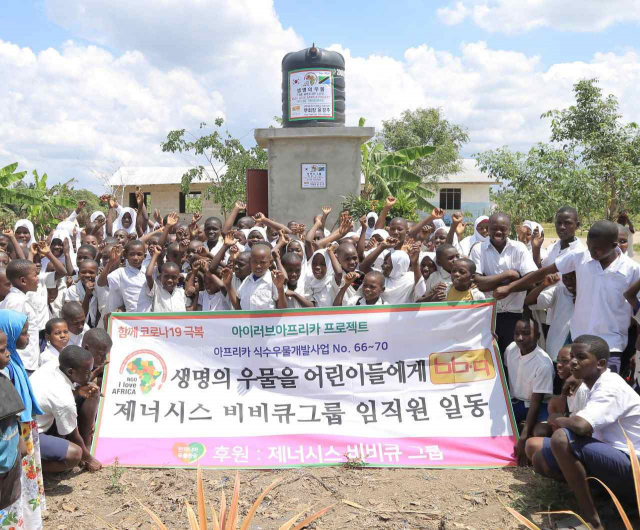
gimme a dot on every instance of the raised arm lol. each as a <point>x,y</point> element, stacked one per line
<point>227,277</point>
<point>311,234</point>
<point>436,213</point>
<point>382,219</point>
<point>362,242</point>
<point>456,229</point>
<point>111,215</point>
<point>536,246</point>
<point>14,243</point>
<point>261,218</point>
<point>337,268</point>
<point>348,282</point>
<point>45,251</point>
<point>368,262</point>
<point>279,279</point>
<point>156,250</point>
<point>533,295</point>
<point>339,233</point>
<point>227,243</point>
<point>228,223</point>
<point>326,210</point>
<point>112,264</point>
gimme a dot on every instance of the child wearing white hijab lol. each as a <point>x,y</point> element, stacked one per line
<point>372,219</point>
<point>399,280</point>
<point>380,235</point>
<point>19,231</point>
<point>477,237</point>
<point>131,229</point>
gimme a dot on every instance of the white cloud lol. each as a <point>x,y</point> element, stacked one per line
<point>499,95</point>
<point>513,16</point>
<point>82,106</point>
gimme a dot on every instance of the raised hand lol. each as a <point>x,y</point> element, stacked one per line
<point>437,213</point>
<point>391,200</point>
<point>259,217</point>
<point>460,228</point>
<point>202,251</point>
<point>89,286</point>
<point>157,217</point>
<point>80,205</point>
<point>350,278</point>
<point>363,221</point>
<point>8,232</point>
<point>66,248</point>
<point>116,254</point>
<point>172,219</point>
<point>156,250</point>
<point>278,279</point>
<point>390,242</point>
<point>300,229</point>
<point>326,210</point>
<point>229,239</point>
<point>240,205</point>
<point>184,244</point>
<point>43,248</point>
<point>521,232</point>
<point>112,202</point>
<point>33,248</point>
<point>196,218</point>
<point>101,221</point>
<point>537,239</point>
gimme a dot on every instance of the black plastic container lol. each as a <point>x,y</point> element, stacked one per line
<point>313,88</point>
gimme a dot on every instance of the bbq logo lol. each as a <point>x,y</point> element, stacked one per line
<point>461,367</point>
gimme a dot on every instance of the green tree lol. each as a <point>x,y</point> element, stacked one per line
<point>592,163</point>
<point>426,127</point>
<point>227,163</point>
<point>11,194</point>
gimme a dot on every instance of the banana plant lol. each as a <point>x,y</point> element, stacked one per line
<point>46,213</point>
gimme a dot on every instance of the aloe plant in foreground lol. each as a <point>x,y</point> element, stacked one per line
<point>229,518</point>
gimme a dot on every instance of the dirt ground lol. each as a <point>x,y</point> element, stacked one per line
<point>390,499</point>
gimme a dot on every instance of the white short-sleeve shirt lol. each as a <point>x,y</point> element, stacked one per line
<point>164,301</point>
<point>435,279</point>
<point>555,251</point>
<point>528,374</point>
<point>258,293</point>
<point>53,391</point>
<point>558,302</point>
<point>577,402</point>
<point>38,299</point>
<point>213,302</point>
<point>76,340</point>
<point>611,400</point>
<point>18,301</point>
<point>125,286</point>
<point>601,308</point>
<point>514,256</point>
<point>76,293</point>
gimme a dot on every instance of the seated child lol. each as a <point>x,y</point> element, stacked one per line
<point>262,289</point>
<point>530,373</point>
<point>57,337</point>
<point>74,316</point>
<point>461,289</point>
<point>559,403</point>
<point>84,291</point>
<point>165,294</point>
<point>11,444</point>
<point>62,444</point>
<point>295,282</point>
<point>592,443</point>
<point>373,287</point>
<point>557,296</point>
<point>438,283</point>
<point>326,275</point>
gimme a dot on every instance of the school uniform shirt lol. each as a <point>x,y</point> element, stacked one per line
<point>612,400</point>
<point>558,302</point>
<point>351,295</point>
<point>53,390</point>
<point>292,303</point>
<point>213,302</point>
<point>163,301</point>
<point>55,307</point>
<point>76,340</point>
<point>453,295</point>
<point>577,402</point>
<point>420,289</point>
<point>125,286</point>
<point>322,292</point>
<point>49,354</point>
<point>601,308</point>
<point>236,283</point>
<point>514,256</point>
<point>76,293</point>
<point>435,279</point>
<point>528,374</point>
<point>101,294</point>
<point>377,264</point>
<point>38,299</point>
<point>258,293</point>
<point>359,301</point>
<point>18,301</point>
<point>554,251</point>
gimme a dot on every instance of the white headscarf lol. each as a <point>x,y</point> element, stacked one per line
<point>94,216</point>
<point>467,243</point>
<point>399,284</point>
<point>29,226</point>
<point>304,254</point>
<point>380,232</point>
<point>118,224</point>
<point>374,216</point>
<point>322,283</point>
<point>532,225</point>
<point>261,229</point>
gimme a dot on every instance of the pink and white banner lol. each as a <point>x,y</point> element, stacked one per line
<point>401,386</point>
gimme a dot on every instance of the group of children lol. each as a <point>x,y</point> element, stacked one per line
<point>553,306</point>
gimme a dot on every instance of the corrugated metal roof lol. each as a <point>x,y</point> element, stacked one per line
<point>147,175</point>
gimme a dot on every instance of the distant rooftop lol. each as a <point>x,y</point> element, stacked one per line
<point>147,175</point>
<point>470,174</point>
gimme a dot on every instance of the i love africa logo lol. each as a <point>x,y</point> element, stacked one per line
<point>145,369</point>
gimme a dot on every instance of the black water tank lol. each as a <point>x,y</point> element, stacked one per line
<point>313,88</point>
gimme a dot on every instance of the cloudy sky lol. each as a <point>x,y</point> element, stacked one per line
<point>90,85</point>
